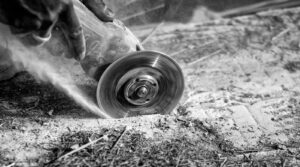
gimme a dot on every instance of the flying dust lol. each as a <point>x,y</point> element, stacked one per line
<point>30,59</point>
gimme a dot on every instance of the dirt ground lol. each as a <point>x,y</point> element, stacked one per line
<point>241,105</point>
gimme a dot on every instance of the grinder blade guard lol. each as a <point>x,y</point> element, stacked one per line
<point>141,83</point>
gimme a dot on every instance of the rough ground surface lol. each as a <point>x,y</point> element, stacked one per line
<point>241,105</point>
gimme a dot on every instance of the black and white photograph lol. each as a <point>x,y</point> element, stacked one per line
<point>149,83</point>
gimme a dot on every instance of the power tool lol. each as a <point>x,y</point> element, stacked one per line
<point>132,81</point>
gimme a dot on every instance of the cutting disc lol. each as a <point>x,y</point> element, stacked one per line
<point>142,83</point>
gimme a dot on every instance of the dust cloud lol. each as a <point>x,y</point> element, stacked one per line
<point>30,59</point>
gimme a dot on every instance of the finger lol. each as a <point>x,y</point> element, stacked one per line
<point>39,36</point>
<point>44,33</point>
<point>71,27</point>
<point>99,8</point>
<point>41,39</point>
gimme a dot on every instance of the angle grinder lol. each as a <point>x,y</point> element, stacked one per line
<point>132,81</point>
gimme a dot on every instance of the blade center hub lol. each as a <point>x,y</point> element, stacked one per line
<point>141,90</point>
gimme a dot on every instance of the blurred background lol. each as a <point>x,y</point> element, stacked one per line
<point>145,12</point>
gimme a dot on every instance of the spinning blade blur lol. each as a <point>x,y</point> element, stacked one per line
<point>142,83</point>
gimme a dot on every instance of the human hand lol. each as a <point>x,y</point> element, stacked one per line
<point>34,20</point>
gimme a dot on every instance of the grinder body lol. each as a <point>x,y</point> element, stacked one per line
<point>105,42</point>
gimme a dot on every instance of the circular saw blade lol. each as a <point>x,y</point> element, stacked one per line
<point>142,83</point>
